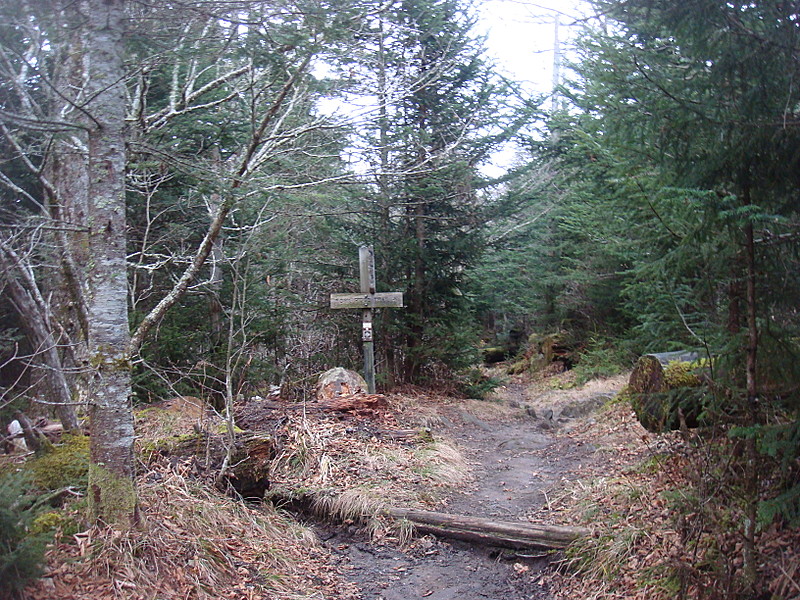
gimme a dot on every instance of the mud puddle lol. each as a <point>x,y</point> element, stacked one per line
<point>437,570</point>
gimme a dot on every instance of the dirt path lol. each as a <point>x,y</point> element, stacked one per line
<point>520,448</point>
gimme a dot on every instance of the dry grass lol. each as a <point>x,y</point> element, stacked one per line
<point>657,536</point>
<point>442,463</point>
<point>350,473</point>
<point>193,544</point>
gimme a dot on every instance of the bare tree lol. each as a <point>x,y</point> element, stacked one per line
<point>79,108</point>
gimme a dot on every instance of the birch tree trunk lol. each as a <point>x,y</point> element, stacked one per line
<point>112,495</point>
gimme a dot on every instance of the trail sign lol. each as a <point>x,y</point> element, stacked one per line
<point>367,300</point>
<point>384,300</point>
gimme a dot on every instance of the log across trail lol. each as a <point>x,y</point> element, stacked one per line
<point>506,534</point>
<point>522,455</point>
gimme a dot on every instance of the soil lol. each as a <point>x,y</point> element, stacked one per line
<point>521,449</point>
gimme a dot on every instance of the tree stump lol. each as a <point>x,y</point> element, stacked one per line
<point>664,390</point>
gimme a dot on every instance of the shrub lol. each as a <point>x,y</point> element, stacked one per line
<point>600,359</point>
<point>21,550</point>
<point>476,384</point>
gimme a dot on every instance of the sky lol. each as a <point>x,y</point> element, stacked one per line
<point>520,40</point>
<point>521,36</point>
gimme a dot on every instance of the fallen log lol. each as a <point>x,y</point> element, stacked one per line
<point>495,354</point>
<point>506,534</point>
<point>666,390</point>
<point>354,402</point>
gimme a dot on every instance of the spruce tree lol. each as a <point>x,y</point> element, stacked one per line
<point>697,102</point>
<point>440,110</point>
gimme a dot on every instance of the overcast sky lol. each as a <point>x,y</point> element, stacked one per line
<point>521,36</point>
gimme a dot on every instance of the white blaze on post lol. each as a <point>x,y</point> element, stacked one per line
<point>367,300</point>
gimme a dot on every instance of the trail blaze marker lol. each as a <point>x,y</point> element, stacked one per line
<point>367,300</point>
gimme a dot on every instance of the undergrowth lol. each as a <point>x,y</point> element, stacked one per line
<point>193,542</point>
<point>670,526</point>
<point>600,358</point>
<point>21,545</point>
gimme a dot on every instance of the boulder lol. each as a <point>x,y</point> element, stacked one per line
<point>338,382</point>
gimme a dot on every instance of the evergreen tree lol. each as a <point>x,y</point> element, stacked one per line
<point>440,110</point>
<point>686,125</point>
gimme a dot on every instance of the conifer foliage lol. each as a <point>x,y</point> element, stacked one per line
<point>670,221</point>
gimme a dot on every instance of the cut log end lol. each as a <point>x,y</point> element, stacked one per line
<point>664,391</point>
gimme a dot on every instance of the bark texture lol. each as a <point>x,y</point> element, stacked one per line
<point>112,497</point>
<point>505,534</point>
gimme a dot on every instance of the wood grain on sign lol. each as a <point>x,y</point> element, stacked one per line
<point>380,300</point>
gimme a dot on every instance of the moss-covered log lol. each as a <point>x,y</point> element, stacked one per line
<point>544,350</point>
<point>495,354</point>
<point>666,391</point>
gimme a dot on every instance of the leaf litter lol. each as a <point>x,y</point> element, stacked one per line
<point>417,451</point>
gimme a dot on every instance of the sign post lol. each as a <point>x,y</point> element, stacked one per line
<point>367,300</point>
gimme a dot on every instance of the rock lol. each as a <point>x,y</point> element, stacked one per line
<point>338,382</point>
<point>473,420</point>
<point>581,408</point>
<point>532,441</point>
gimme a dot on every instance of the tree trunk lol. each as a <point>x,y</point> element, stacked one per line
<point>112,495</point>
<point>750,555</point>
<point>30,305</point>
<point>507,534</point>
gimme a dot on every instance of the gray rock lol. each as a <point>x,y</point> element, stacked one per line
<point>339,382</point>
<point>581,408</point>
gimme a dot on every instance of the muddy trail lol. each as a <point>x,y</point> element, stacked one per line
<point>518,454</point>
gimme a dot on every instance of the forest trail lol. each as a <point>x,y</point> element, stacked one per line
<point>516,461</point>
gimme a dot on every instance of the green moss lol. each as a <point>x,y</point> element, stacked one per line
<point>222,428</point>
<point>624,396</point>
<point>109,359</point>
<point>62,465</point>
<point>112,497</point>
<point>520,366</point>
<point>681,374</point>
<point>425,435</point>
<point>54,521</point>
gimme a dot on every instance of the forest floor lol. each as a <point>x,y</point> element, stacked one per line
<point>540,450</point>
<point>526,447</point>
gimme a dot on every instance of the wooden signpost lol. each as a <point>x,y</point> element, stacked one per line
<point>367,300</point>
